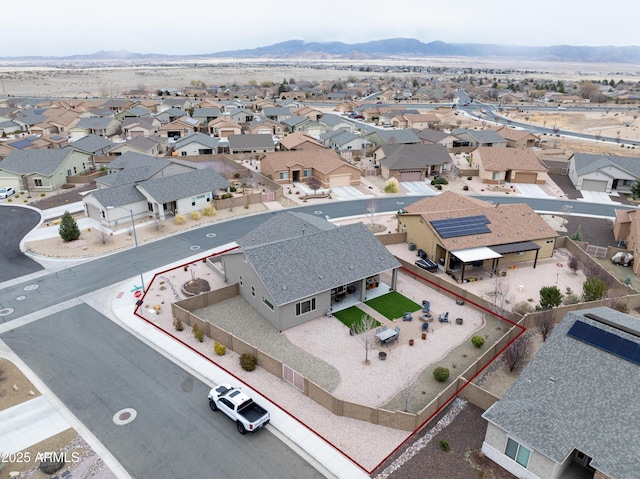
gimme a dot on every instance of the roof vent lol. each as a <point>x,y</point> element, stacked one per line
<point>519,232</point>
<point>499,234</point>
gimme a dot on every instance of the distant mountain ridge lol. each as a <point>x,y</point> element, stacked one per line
<point>381,49</point>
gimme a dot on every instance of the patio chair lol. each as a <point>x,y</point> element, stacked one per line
<point>426,306</point>
<point>425,327</point>
<point>384,327</point>
<point>444,318</point>
<point>407,316</point>
<point>378,330</point>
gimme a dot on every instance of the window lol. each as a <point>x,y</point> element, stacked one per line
<point>495,176</point>
<point>305,306</point>
<point>37,182</point>
<point>150,207</point>
<point>183,153</point>
<point>306,173</point>
<point>193,201</point>
<point>268,303</point>
<point>253,291</point>
<point>284,175</point>
<point>517,452</point>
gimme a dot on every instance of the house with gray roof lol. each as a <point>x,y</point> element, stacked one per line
<point>276,113</point>
<point>346,143</point>
<point>387,136</point>
<point>205,115</point>
<point>573,410</point>
<point>413,162</point>
<point>468,139</point>
<point>140,126</point>
<point>94,145</point>
<point>146,145</point>
<point>606,173</point>
<point>196,144</point>
<point>101,126</point>
<point>294,266</point>
<point>431,136</point>
<point>42,170</point>
<point>336,122</point>
<point>251,143</point>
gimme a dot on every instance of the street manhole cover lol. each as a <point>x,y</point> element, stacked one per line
<point>124,416</point>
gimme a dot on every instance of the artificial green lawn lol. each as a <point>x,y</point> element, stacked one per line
<point>393,305</point>
<point>351,316</point>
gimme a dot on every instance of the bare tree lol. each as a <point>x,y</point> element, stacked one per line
<point>103,234</point>
<point>501,298</point>
<point>314,183</point>
<point>544,323</point>
<point>373,206</point>
<point>518,352</point>
<point>363,329</point>
<point>574,264</point>
<point>407,386</point>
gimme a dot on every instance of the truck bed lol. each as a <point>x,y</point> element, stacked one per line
<point>252,412</point>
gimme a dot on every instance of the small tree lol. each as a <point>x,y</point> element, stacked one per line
<point>364,330</point>
<point>68,230</point>
<point>550,297</point>
<point>635,190</point>
<point>103,234</point>
<point>544,323</point>
<point>593,289</point>
<point>517,352</point>
<point>577,236</point>
<point>314,183</point>
<point>574,264</point>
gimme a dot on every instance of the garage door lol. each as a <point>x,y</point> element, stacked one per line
<point>339,180</point>
<point>522,177</point>
<point>594,185</point>
<point>410,175</point>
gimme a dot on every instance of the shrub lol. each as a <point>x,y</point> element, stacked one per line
<point>178,324</point>
<point>50,466</point>
<point>439,187</point>
<point>469,178</point>
<point>68,229</point>
<point>465,188</point>
<point>441,181</point>
<point>522,308</point>
<point>441,374</point>
<point>571,299</point>
<point>226,196</point>
<point>180,219</point>
<point>197,332</point>
<point>43,194</point>
<point>444,445</point>
<point>391,186</point>
<point>9,200</point>
<point>477,341</point>
<point>195,215</point>
<point>550,297</point>
<point>220,349</point>
<point>209,210</point>
<point>233,189</point>
<point>248,362</point>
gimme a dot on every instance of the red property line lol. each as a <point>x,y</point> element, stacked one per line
<point>446,403</point>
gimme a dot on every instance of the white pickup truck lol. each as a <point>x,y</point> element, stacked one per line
<point>247,414</point>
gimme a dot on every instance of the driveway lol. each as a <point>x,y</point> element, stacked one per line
<point>418,188</point>
<point>348,193</point>
<point>595,196</point>
<point>531,191</point>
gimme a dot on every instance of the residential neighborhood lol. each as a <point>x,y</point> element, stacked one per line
<point>156,164</point>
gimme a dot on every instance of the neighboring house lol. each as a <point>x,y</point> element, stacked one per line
<point>152,146</point>
<point>223,127</point>
<point>180,103</point>
<point>286,167</point>
<point>251,144</point>
<point>135,112</point>
<point>140,126</point>
<point>304,247</point>
<point>265,127</point>
<point>468,140</point>
<point>205,115</point>
<point>346,143</point>
<point>299,141</point>
<point>308,112</point>
<point>179,128</point>
<point>412,162</point>
<point>276,113</point>
<point>470,237</point>
<point>518,138</point>
<point>626,231</point>
<point>416,121</point>
<point>603,172</point>
<point>42,170</point>
<point>9,127</point>
<point>513,165</point>
<point>118,104</point>
<point>241,115</point>
<point>379,137</point>
<point>429,136</point>
<point>102,126</point>
<point>572,411</point>
<point>172,114</point>
<point>196,144</point>
<point>131,167</point>
<point>336,122</point>
<point>94,146</point>
<point>158,197</point>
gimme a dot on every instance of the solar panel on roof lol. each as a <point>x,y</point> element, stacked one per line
<point>465,226</point>
<point>606,341</point>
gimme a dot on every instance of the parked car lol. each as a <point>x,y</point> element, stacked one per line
<point>241,409</point>
<point>7,192</point>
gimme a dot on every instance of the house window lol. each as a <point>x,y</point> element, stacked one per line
<point>183,153</point>
<point>284,175</point>
<point>267,303</point>
<point>150,207</point>
<point>305,306</point>
<point>37,182</point>
<point>253,291</point>
<point>495,176</point>
<point>306,173</point>
<point>517,452</point>
<point>193,201</point>
<point>240,280</point>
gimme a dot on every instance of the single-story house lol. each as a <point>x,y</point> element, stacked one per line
<point>379,137</point>
<point>286,167</point>
<point>518,138</point>
<point>265,127</point>
<point>276,113</point>
<point>196,144</point>
<point>299,141</point>
<point>142,126</point>
<point>429,136</point>
<point>572,411</point>
<point>147,145</point>
<point>42,170</point>
<point>346,143</point>
<point>179,128</point>
<point>412,162</point>
<point>101,126</point>
<point>463,234</point>
<point>205,115</point>
<point>223,127</point>
<point>513,165</point>
<point>605,173</point>
<point>292,266</point>
<point>468,140</point>
<point>251,144</point>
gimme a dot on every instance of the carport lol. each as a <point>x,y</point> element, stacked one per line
<point>472,255</point>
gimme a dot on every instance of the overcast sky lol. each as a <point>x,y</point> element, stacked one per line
<point>67,27</point>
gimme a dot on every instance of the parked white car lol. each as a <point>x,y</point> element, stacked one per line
<point>7,192</point>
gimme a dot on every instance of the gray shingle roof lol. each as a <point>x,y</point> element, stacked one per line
<point>283,226</point>
<point>197,137</point>
<point>92,143</point>
<point>183,185</point>
<point>43,162</point>
<point>118,195</point>
<point>575,396</point>
<point>250,141</point>
<point>481,136</point>
<point>318,260</point>
<point>99,122</point>
<point>587,163</point>
<point>398,135</point>
<point>414,155</point>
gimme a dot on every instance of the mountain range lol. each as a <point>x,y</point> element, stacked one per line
<point>384,49</point>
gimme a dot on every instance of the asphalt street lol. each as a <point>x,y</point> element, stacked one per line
<point>97,369</point>
<point>16,223</point>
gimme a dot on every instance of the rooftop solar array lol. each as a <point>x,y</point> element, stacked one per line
<point>466,226</point>
<point>610,342</point>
